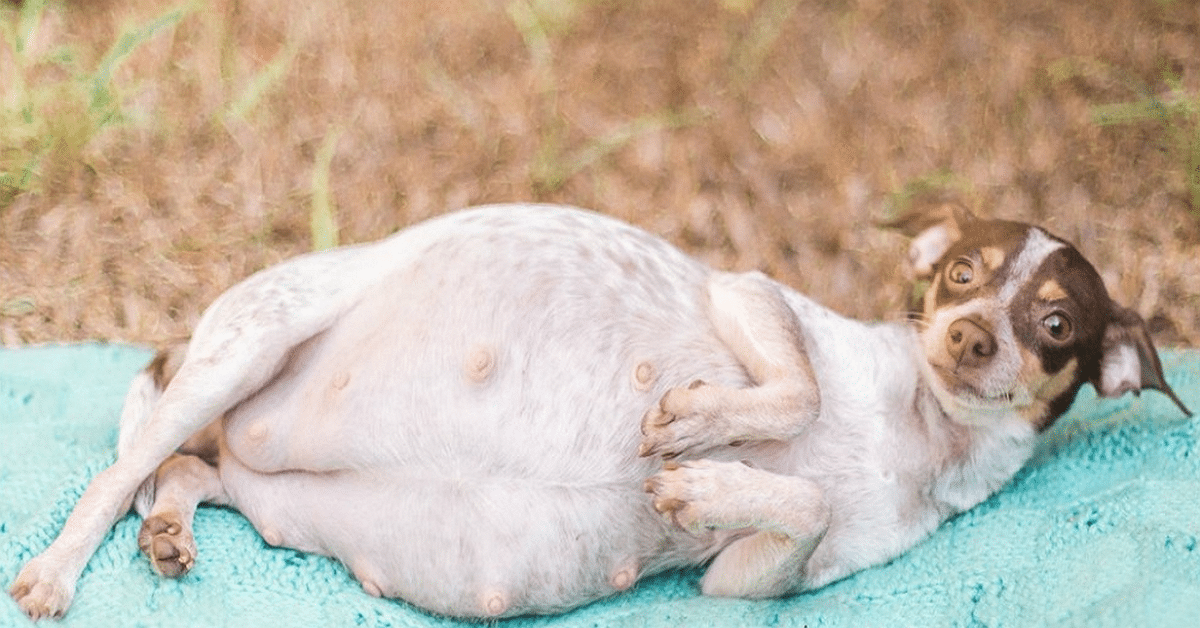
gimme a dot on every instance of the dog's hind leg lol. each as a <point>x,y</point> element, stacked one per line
<point>167,500</point>
<point>753,320</point>
<point>240,344</point>
<point>182,482</point>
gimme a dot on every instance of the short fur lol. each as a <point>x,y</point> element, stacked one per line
<point>519,409</point>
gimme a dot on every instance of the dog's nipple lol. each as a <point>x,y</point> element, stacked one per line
<point>479,364</point>
<point>367,577</point>
<point>494,603</point>
<point>644,376</point>
<point>257,433</point>
<point>272,536</point>
<point>624,577</point>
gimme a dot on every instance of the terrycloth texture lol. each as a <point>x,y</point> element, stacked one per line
<point>1100,529</point>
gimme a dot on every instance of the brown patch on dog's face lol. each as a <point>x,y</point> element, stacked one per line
<point>1047,389</point>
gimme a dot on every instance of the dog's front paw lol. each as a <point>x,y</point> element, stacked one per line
<point>168,544</point>
<point>42,589</point>
<point>681,423</point>
<point>696,494</point>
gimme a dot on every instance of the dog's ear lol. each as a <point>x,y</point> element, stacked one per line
<point>1129,361</point>
<point>934,228</point>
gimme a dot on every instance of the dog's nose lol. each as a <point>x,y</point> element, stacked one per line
<point>969,343</point>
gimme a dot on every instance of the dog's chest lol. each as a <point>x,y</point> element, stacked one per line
<point>892,462</point>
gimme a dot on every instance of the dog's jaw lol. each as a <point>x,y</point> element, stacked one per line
<point>968,406</point>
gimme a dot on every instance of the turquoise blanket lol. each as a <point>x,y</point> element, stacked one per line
<point>1102,528</point>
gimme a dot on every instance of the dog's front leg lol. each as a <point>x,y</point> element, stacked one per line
<point>787,517</point>
<point>752,319</point>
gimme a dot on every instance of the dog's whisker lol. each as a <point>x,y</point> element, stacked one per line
<point>914,318</point>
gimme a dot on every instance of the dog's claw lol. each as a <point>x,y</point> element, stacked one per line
<point>672,427</point>
<point>669,506</point>
<point>666,498</point>
<point>690,494</point>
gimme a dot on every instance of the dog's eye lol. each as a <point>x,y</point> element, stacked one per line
<point>1058,327</point>
<point>961,272</point>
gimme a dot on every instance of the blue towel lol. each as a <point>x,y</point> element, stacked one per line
<point>1101,528</point>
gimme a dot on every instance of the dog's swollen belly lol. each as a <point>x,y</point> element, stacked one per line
<point>486,546</point>
<point>466,437</point>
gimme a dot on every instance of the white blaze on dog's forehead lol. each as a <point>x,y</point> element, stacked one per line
<point>1034,250</point>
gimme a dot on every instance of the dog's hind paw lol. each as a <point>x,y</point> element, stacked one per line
<point>168,544</point>
<point>42,591</point>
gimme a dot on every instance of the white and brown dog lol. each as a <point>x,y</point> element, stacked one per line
<point>470,414</point>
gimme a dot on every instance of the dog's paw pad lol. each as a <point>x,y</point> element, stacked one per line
<point>168,544</point>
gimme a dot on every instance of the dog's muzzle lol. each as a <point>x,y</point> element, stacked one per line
<point>970,343</point>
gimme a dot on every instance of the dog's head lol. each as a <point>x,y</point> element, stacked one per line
<point>1015,319</point>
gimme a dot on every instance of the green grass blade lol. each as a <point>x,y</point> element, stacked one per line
<point>263,83</point>
<point>323,215</point>
<point>30,19</point>
<point>101,79</point>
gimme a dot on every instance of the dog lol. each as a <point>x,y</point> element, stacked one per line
<point>519,409</point>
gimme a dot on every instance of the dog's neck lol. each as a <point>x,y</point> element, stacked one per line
<point>984,456</point>
<point>973,451</point>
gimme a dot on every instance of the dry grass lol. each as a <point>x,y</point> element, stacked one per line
<point>754,133</point>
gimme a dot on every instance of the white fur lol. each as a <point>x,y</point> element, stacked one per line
<point>457,409</point>
<point>1036,248</point>
<point>927,248</point>
<point>1121,372</point>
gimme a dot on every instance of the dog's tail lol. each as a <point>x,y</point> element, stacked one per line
<point>145,390</point>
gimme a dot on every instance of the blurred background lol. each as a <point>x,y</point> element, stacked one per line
<point>152,153</point>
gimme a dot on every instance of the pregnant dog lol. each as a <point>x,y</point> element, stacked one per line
<point>519,409</point>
